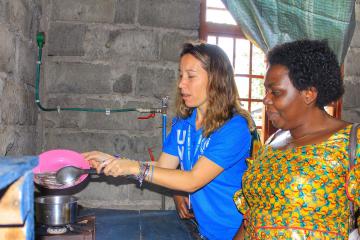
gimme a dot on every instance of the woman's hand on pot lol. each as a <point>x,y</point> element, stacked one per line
<point>98,160</point>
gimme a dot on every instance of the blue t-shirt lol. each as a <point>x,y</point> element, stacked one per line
<point>228,147</point>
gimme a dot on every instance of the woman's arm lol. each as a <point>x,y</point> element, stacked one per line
<point>189,181</point>
<point>99,160</point>
<point>181,199</point>
<point>166,161</point>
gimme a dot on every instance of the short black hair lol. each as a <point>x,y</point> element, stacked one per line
<point>311,63</point>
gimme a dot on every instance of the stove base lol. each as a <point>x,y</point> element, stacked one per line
<point>83,229</point>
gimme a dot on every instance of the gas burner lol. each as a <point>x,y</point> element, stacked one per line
<point>83,228</point>
<point>56,230</point>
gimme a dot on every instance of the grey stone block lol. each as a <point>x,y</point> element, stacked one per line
<point>352,62</point>
<point>77,78</point>
<point>84,10</point>
<point>182,14</point>
<point>26,143</point>
<point>112,143</point>
<point>4,11</point>
<point>17,140</point>
<point>23,16</point>
<point>157,83</point>
<point>23,143</point>
<point>140,145</point>
<point>66,39</point>
<point>351,96</point>
<point>95,43</point>
<point>134,45</point>
<point>27,62</point>
<point>136,147</point>
<point>31,109</point>
<point>14,102</point>
<point>77,141</point>
<point>20,16</point>
<point>116,121</point>
<point>64,119</point>
<point>7,52</point>
<point>105,189</point>
<point>148,192</point>
<point>172,43</point>
<point>123,84</point>
<point>7,135</point>
<point>35,14</point>
<point>355,42</point>
<point>2,84</point>
<point>123,144</point>
<point>143,103</point>
<point>351,115</point>
<point>169,203</point>
<point>125,11</point>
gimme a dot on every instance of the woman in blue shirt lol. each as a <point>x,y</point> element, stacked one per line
<point>210,140</point>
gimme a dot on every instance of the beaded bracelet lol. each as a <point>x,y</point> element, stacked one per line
<point>143,172</point>
<point>151,174</point>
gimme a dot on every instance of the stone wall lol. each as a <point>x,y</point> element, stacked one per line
<point>19,21</point>
<point>351,100</point>
<point>112,54</point>
<point>103,54</point>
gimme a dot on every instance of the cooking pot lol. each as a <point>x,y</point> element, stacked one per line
<point>56,210</point>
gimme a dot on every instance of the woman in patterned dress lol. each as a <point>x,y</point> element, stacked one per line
<point>299,184</point>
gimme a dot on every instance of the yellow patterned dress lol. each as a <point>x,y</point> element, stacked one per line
<point>300,193</point>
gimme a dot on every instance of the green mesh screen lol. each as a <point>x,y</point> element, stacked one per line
<point>270,22</point>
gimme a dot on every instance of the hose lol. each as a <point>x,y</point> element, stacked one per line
<point>40,39</point>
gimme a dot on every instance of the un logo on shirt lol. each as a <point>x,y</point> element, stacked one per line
<point>180,139</point>
<point>204,144</point>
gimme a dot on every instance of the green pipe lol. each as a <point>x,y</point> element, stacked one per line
<point>40,39</point>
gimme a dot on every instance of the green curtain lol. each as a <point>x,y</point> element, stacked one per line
<point>270,22</point>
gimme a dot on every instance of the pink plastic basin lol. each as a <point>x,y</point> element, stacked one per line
<point>53,160</point>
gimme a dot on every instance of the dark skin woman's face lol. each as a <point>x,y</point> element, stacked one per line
<point>284,104</point>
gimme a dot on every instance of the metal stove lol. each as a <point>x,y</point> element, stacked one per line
<point>83,229</point>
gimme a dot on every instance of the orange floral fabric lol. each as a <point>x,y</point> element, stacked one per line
<point>300,193</point>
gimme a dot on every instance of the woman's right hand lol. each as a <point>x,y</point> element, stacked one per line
<point>110,165</point>
<point>98,160</point>
<point>182,206</point>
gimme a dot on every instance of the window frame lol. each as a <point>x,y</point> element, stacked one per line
<point>234,31</point>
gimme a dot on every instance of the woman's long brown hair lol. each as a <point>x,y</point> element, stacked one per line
<point>223,97</point>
